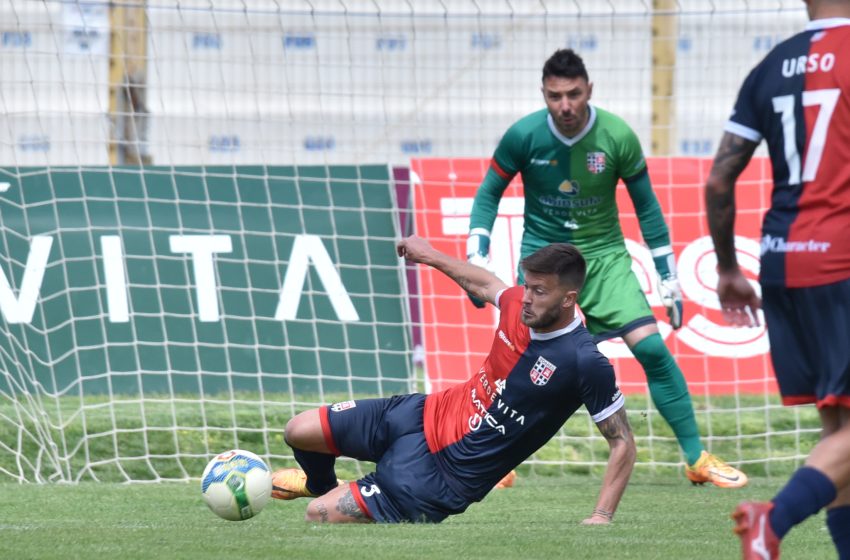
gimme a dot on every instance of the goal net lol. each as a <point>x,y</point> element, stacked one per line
<point>199,201</point>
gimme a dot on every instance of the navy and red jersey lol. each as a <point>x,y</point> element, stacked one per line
<point>798,100</point>
<point>529,385</point>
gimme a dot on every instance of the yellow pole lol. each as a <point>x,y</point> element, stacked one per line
<point>663,74</point>
<point>127,80</point>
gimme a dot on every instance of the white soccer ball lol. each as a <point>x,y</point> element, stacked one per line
<point>236,485</point>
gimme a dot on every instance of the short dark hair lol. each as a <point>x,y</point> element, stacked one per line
<point>565,63</point>
<point>563,259</point>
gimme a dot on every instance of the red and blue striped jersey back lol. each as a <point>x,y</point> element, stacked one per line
<point>798,99</point>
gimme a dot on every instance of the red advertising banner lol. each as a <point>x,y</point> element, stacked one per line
<point>716,358</point>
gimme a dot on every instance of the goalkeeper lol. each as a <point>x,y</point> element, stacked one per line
<point>571,156</point>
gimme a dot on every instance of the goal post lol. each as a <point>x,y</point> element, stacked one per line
<point>199,201</point>
<point>155,316</point>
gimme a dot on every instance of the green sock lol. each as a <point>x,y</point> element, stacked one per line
<point>669,392</point>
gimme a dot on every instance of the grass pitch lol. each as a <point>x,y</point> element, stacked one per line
<point>129,438</point>
<point>659,518</point>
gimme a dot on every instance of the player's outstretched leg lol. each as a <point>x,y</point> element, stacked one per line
<point>710,468</point>
<point>762,525</point>
<point>752,524</point>
<point>669,392</point>
<point>305,435</point>
<point>289,484</point>
<point>338,506</point>
<point>507,481</point>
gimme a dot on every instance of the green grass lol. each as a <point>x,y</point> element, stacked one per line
<point>127,438</point>
<point>660,518</point>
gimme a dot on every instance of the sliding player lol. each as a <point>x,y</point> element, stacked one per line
<point>436,454</point>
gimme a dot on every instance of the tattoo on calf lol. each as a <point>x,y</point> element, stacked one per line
<point>347,506</point>
<point>323,511</point>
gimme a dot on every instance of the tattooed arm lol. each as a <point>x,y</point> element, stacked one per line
<point>738,300</point>
<point>478,282</point>
<point>621,460</point>
<point>732,157</point>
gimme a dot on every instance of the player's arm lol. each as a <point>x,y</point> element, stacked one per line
<point>621,460</point>
<point>657,237</point>
<point>485,206</point>
<point>738,299</point>
<point>632,168</point>
<point>505,164</point>
<point>477,281</point>
<point>484,209</point>
<point>648,210</point>
<point>607,407</point>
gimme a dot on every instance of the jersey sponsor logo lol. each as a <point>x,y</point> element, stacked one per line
<point>482,415</point>
<point>489,389</point>
<point>504,338</point>
<point>569,187</point>
<point>815,62</point>
<point>770,244</point>
<point>340,406</point>
<point>596,162</point>
<point>562,202</point>
<point>500,386</point>
<point>536,161</point>
<point>481,401</point>
<point>542,371</point>
<point>477,420</point>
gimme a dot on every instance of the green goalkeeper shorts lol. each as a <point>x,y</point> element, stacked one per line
<point>612,300</point>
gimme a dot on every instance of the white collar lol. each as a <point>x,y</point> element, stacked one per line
<point>555,334</point>
<point>575,139</point>
<point>826,23</point>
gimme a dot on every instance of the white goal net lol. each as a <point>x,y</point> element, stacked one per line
<point>199,201</point>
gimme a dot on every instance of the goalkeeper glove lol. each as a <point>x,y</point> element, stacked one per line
<point>668,287</point>
<point>477,251</point>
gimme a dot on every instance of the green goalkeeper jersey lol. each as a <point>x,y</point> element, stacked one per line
<point>570,183</point>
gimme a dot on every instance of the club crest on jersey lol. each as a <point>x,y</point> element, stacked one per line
<point>542,371</point>
<point>345,405</point>
<point>596,162</point>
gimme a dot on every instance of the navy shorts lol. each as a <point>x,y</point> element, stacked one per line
<point>407,484</point>
<point>809,330</point>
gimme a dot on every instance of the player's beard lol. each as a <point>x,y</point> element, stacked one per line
<point>543,320</point>
<point>575,124</point>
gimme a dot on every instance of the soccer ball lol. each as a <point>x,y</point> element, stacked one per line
<point>236,485</point>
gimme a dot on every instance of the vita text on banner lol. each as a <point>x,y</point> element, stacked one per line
<point>203,279</point>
